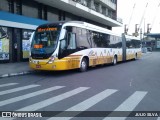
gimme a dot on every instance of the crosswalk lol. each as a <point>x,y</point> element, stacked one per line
<point>17,89</point>
<point>8,84</point>
<point>128,104</point>
<point>87,103</point>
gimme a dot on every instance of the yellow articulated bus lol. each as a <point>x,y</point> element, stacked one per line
<point>76,44</point>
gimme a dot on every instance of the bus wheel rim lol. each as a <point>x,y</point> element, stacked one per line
<point>83,65</point>
<point>115,61</point>
<point>135,56</point>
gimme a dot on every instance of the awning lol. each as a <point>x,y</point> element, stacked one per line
<point>155,35</point>
<point>18,21</point>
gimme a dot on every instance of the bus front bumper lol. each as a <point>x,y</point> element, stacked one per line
<point>63,64</point>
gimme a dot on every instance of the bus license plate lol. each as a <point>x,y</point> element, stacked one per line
<point>38,66</point>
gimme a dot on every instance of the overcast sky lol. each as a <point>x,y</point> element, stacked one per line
<point>131,11</point>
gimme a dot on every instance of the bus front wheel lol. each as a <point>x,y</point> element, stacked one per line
<point>83,66</point>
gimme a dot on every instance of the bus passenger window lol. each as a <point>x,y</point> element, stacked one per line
<point>81,37</point>
<point>128,43</point>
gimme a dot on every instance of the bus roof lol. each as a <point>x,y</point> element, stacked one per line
<point>90,27</point>
<point>51,24</point>
<point>132,37</point>
<point>81,24</point>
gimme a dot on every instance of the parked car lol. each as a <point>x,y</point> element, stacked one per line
<point>149,49</point>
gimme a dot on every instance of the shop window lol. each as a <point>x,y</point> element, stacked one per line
<point>62,15</point>
<point>40,11</point>
<point>30,9</point>
<point>45,12</point>
<point>52,14</point>
<point>4,43</point>
<point>11,6</point>
<point>26,34</point>
<point>18,7</point>
<point>3,5</point>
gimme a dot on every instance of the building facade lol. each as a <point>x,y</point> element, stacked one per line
<point>19,18</point>
<point>152,41</point>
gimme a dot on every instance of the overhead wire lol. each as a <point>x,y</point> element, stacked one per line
<point>155,16</point>
<point>143,15</point>
<point>131,15</point>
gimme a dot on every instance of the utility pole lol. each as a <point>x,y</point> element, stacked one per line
<point>141,38</point>
<point>141,34</point>
<point>143,16</point>
<point>126,29</point>
<point>136,30</point>
<point>148,28</point>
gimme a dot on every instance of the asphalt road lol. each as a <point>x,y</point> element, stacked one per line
<point>129,86</point>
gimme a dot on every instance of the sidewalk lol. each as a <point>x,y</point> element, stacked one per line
<point>13,69</point>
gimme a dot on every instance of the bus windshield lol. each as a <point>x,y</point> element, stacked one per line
<point>44,42</point>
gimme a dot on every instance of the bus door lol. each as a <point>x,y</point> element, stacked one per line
<point>67,45</point>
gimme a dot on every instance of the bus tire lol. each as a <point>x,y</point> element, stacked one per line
<point>115,60</point>
<point>135,58</point>
<point>84,65</point>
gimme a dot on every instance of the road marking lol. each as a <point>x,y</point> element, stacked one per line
<point>53,100</point>
<point>17,89</point>
<point>23,97</point>
<point>86,104</point>
<point>128,105</point>
<point>8,84</point>
<point>130,83</point>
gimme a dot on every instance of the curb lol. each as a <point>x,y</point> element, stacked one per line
<point>15,74</point>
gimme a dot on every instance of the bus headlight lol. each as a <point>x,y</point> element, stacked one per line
<point>51,60</point>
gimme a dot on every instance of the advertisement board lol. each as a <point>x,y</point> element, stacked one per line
<point>4,44</point>
<point>26,43</point>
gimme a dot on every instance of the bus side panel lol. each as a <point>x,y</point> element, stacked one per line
<point>130,53</point>
<point>139,53</point>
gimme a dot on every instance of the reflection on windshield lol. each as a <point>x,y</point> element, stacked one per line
<point>44,43</point>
